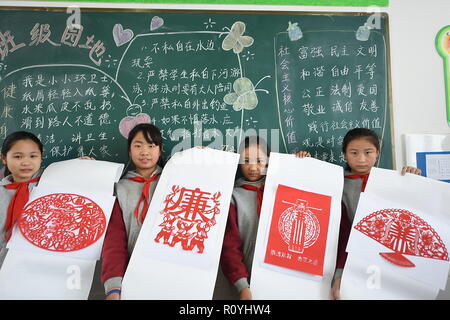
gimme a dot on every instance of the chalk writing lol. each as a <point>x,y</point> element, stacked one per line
<point>326,90</point>
<point>41,33</point>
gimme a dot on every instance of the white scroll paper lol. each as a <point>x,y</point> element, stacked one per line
<point>183,263</point>
<point>420,228</point>
<point>58,239</point>
<point>311,175</point>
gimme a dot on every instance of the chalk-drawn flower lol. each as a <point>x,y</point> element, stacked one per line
<point>235,39</point>
<point>243,97</point>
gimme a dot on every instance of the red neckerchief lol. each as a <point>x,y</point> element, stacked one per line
<point>259,195</point>
<point>18,201</point>
<point>364,178</point>
<point>144,195</point>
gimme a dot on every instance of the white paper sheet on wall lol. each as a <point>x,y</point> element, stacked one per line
<point>273,282</point>
<point>438,166</point>
<point>424,143</point>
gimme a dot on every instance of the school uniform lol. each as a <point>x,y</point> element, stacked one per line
<point>239,240</point>
<point>353,186</point>
<point>125,224</point>
<point>9,191</point>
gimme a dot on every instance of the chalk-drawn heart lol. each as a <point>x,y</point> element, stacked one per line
<point>128,123</point>
<point>156,23</point>
<point>121,36</point>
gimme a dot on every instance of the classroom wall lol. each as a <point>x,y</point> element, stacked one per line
<point>417,69</point>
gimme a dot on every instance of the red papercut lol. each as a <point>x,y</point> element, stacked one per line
<point>62,222</point>
<point>298,231</point>
<point>405,233</point>
<point>398,259</point>
<point>188,216</point>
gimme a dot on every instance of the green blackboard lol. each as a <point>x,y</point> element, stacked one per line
<point>204,78</point>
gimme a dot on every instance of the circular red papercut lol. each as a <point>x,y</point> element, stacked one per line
<point>62,222</point>
<point>311,222</point>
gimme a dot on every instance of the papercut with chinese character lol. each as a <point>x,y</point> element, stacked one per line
<point>188,215</point>
<point>62,222</point>
<point>405,234</point>
<point>298,231</point>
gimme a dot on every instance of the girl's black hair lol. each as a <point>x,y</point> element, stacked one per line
<point>254,141</point>
<point>358,133</point>
<point>151,134</point>
<point>11,139</point>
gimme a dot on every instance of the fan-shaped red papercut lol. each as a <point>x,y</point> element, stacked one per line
<point>62,222</point>
<point>405,233</point>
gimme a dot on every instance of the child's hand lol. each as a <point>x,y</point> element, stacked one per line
<point>335,290</point>
<point>411,170</point>
<point>245,294</point>
<point>86,158</point>
<point>303,154</point>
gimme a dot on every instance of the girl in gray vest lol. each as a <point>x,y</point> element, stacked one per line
<point>134,192</point>
<point>361,148</point>
<point>233,279</point>
<point>22,156</point>
<point>242,224</point>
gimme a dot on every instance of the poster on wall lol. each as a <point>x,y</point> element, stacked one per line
<point>424,143</point>
<point>434,165</point>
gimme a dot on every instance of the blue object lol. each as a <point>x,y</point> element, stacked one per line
<point>421,158</point>
<point>113,291</point>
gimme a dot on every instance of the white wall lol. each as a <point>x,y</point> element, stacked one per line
<point>417,76</point>
<point>418,88</point>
